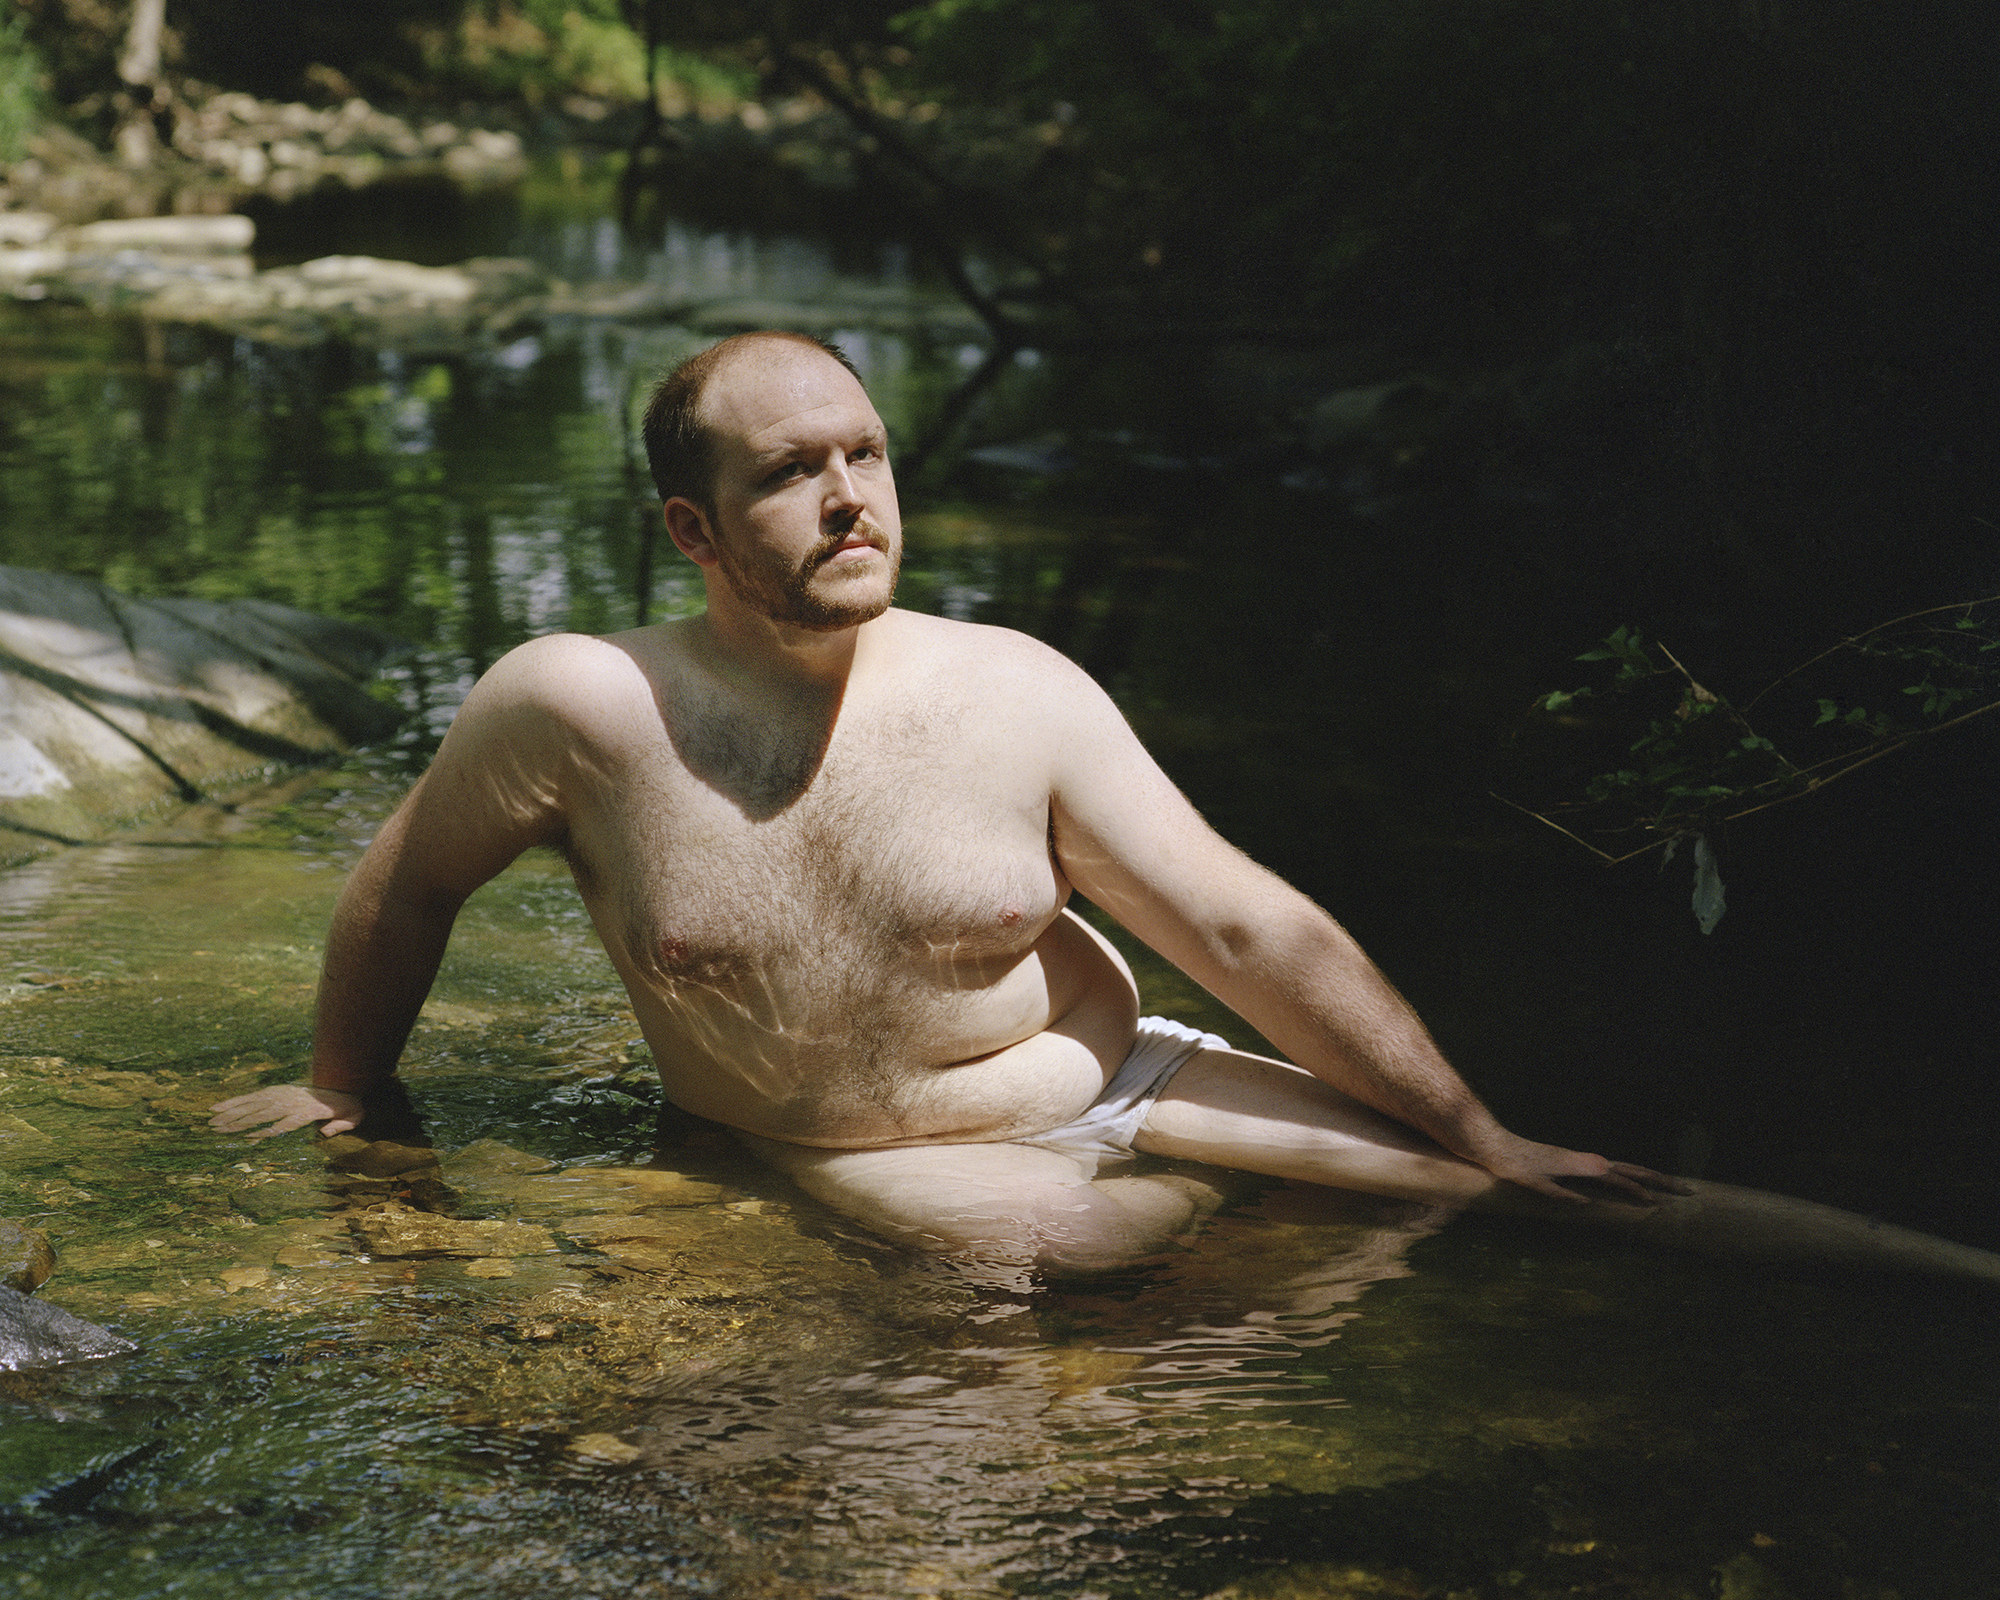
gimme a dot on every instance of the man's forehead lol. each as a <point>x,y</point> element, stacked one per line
<point>766,383</point>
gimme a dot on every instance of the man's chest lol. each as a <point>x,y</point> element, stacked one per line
<point>926,845</point>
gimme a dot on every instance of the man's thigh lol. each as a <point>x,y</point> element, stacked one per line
<point>1004,1203</point>
<point>1260,1115</point>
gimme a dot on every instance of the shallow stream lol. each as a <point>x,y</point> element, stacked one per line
<point>673,1375</point>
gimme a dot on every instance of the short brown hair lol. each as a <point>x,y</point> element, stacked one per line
<point>678,447</point>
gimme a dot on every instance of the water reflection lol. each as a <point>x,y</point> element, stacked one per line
<point>1317,1377</point>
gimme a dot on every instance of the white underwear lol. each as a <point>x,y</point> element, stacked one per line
<point>1112,1121</point>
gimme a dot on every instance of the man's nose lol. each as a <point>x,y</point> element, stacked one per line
<point>842,494</point>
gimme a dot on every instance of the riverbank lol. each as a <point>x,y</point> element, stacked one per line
<point>229,147</point>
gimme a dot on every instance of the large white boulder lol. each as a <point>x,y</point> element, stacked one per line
<point>112,708</point>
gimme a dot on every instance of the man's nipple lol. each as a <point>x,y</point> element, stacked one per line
<point>1011,915</point>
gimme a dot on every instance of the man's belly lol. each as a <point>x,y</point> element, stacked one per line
<point>916,1059</point>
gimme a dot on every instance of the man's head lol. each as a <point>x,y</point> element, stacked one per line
<point>774,472</point>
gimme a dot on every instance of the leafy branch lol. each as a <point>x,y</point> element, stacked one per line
<point>1700,759</point>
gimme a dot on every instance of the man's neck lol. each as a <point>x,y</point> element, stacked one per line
<point>780,658</point>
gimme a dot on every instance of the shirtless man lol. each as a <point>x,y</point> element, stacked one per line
<point>829,846</point>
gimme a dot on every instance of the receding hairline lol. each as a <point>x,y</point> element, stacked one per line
<point>719,358</point>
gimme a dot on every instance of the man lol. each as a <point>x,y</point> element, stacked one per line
<point>829,844</point>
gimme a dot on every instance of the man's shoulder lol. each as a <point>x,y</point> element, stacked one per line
<point>573,679</point>
<point>983,652</point>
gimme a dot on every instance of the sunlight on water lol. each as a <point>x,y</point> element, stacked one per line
<point>674,1383</point>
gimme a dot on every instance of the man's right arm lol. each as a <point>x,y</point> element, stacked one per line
<point>496,788</point>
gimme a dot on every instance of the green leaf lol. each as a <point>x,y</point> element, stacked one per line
<point>1828,710</point>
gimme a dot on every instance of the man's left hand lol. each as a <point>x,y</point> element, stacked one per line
<point>1550,1170</point>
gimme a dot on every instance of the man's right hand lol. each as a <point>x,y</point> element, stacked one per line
<point>285,1106</point>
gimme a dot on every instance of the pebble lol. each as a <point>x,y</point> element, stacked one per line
<point>606,1449</point>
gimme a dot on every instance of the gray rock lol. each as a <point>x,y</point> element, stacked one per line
<point>36,1335</point>
<point>364,300</point>
<point>111,706</point>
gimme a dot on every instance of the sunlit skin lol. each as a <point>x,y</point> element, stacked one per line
<point>829,846</point>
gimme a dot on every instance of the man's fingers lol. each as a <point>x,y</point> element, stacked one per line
<point>1629,1188</point>
<point>1551,1187</point>
<point>1661,1182</point>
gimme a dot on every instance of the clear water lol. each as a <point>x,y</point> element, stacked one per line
<point>1319,1397</point>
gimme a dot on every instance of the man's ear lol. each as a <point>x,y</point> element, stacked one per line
<point>687,526</point>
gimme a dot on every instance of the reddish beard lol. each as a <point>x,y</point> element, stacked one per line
<point>787,595</point>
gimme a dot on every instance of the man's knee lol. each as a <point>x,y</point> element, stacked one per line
<point>1115,1222</point>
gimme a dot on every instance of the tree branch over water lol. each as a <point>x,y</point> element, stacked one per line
<point>1676,760</point>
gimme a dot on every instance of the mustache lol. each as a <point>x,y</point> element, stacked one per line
<point>830,543</point>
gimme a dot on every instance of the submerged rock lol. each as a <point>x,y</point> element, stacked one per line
<point>376,1158</point>
<point>604,1449</point>
<point>36,1335</point>
<point>489,1158</point>
<point>111,707</point>
<point>26,1257</point>
<point>395,1233</point>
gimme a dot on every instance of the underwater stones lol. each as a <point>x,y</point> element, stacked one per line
<point>370,1169</point>
<point>375,1158</point>
<point>112,707</point>
<point>236,1279</point>
<point>395,1233</point>
<point>26,1257</point>
<point>33,1334</point>
<point>309,1255</point>
<point>603,1449</point>
<point>97,1096</point>
<point>489,1158</point>
<point>652,1186</point>
<point>286,1195</point>
<point>715,1251</point>
<point>589,1190</point>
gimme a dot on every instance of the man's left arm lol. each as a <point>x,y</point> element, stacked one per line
<point>1131,842</point>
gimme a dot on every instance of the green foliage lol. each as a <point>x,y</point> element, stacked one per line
<point>21,87</point>
<point>1683,759</point>
<point>539,48</point>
